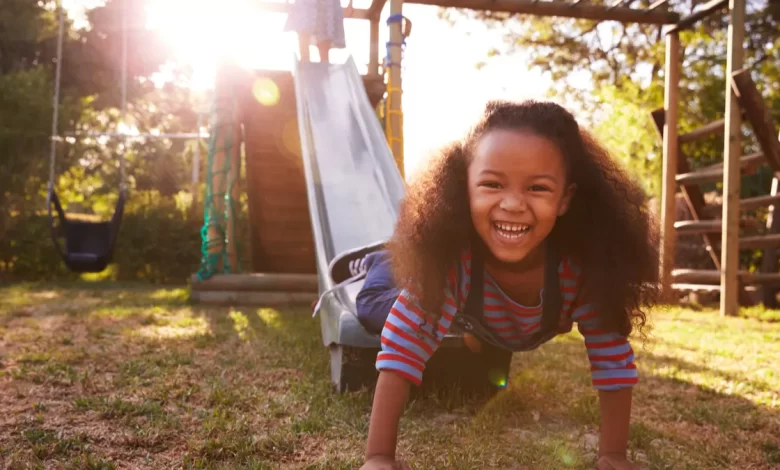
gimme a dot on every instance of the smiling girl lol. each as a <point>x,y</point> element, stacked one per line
<point>527,194</point>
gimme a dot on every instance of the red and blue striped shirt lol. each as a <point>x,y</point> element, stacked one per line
<point>407,346</point>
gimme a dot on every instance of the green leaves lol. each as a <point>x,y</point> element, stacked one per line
<point>612,75</point>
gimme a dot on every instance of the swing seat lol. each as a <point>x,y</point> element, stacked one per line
<point>89,246</point>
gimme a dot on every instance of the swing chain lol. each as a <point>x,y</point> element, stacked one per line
<point>56,101</point>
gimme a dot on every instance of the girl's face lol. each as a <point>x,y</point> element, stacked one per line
<point>517,190</point>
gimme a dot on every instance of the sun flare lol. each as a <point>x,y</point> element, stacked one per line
<point>201,32</point>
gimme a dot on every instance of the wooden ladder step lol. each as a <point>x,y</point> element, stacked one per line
<point>697,227</point>
<point>755,242</point>
<point>711,128</point>
<point>683,287</point>
<point>713,173</point>
<point>761,241</point>
<point>714,127</point>
<point>702,276</point>
<point>715,210</point>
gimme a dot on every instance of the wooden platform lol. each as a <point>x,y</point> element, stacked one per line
<point>280,229</point>
<point>256,289</point>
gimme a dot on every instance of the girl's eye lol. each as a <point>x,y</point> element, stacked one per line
<point>540,187</point>
<point>490,184</point>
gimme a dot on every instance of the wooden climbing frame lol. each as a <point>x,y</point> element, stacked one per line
<point>721,234</point>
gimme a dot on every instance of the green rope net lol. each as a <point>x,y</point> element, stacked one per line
<point>218,205</point>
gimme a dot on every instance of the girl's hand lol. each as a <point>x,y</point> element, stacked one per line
<point>383,463</point>
<point>615,462</point>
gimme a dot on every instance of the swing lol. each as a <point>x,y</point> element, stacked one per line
<point>88,246</point>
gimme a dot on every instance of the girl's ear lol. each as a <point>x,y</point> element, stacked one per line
<point>566,201</point>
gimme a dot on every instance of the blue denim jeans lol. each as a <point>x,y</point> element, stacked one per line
<point>378,293</point>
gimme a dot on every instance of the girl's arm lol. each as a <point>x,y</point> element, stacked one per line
<point>390,397</point>
<point>613,374</point>
<point>615,417</point>
<point>409,339</point>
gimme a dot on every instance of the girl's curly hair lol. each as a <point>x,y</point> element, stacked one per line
<point>607,229</point>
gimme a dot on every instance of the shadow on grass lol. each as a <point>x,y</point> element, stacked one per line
<point>676,420</point>
<point>251,388</point>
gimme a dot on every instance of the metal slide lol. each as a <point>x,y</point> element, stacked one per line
<point>353,185</point>
<point>354,190</point>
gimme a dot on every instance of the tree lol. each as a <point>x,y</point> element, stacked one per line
<point>91,72</point>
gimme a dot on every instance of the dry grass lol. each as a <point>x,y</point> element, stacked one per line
<point>99,377</point>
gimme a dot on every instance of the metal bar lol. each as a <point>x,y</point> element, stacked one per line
<point>691,19</point>
<point>124,14</point>
<point>179,135</point>
<point>56,99</point>
<point>279,7</point>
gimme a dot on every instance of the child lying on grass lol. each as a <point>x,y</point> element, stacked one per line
<point>526,184</point>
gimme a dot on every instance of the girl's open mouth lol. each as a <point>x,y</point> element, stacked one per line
<point>511,231</point>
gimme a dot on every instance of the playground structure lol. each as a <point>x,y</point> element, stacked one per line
<point>281,232</point>
<point>719,234</point>
<point>323,178</point>
<point>87,246</point>
<point>293,177</point>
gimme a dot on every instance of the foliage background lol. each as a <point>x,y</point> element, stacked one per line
<point>160,236</point>
<point>610,74</point>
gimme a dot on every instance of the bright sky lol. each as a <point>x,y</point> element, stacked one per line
<point>443,90</point>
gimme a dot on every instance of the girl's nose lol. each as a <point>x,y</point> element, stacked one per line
<point>513,202</point>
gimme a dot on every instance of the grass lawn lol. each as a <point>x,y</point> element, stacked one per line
<point>134,377</point>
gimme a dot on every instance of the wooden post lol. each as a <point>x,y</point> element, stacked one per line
<point>373,47</point>
<point>233,186</point>
<point>732,151</point>
<point>395,89</point>
<point>769,255</point>
<point>195,184</point>
<point>670,151</point>
<point>757,114</point>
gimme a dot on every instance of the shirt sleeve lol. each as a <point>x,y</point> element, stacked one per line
<point>610,354</point>
<point>410,337</point>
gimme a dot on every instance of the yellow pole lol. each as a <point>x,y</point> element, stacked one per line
<point>395,121</point>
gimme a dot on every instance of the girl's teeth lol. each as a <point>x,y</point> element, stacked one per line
<point>511,231</point>
<point>512,227</point>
